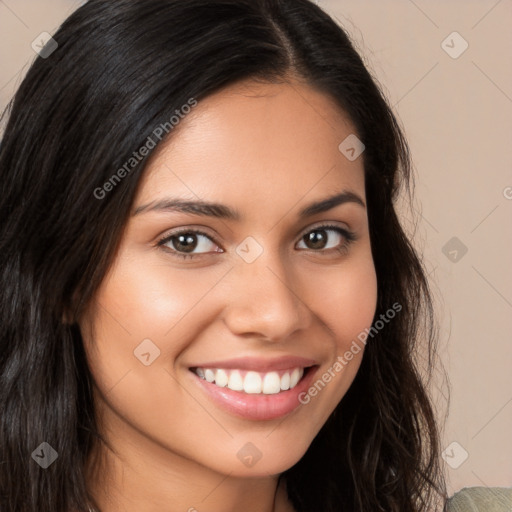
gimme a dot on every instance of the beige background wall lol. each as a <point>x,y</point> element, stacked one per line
<point>457,114</point>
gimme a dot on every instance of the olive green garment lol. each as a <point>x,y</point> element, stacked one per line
<point>481,499</point>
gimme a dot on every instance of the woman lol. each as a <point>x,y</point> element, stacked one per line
<point>207,298</point>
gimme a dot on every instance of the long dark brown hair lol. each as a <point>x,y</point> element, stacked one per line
<point>121,69</point>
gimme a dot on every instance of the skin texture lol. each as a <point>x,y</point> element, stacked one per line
<point>267,150</point>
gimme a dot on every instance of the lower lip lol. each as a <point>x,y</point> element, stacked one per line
<point>257,406</point>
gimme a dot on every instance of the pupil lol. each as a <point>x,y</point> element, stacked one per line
<point>186,239</point>
<point>317,239</point>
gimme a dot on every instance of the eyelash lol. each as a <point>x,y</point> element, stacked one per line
<point>349,237</point>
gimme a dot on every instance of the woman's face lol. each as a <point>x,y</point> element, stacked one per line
<point>253,292</point>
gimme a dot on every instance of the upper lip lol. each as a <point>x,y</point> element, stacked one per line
<point>259,364</point>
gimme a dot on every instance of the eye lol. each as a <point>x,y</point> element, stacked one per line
<point>326,237</point>
<point>192,243</point>
<point>184,243</point>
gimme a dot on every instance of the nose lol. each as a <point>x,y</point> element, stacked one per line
<point>264,300</point>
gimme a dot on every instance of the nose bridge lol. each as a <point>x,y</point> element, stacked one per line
<point>262,298</point>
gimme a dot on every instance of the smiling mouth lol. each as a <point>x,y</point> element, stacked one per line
<point>251,382</point>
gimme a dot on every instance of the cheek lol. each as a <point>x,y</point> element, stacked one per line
<point>154,302</point>
<point>346,299</point>
<point>148,309</point>
<point>157,310</point>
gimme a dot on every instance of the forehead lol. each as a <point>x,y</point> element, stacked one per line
<point>255,144</point>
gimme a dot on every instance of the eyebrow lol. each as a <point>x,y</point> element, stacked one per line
<point>218,210</point>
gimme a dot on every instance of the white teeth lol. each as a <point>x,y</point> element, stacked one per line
<point>221,378</point>
<point>269,383</point>
<point>296,376</point>
<point>285,381</point>
<point>252,383</point>
<point>236,382</point>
